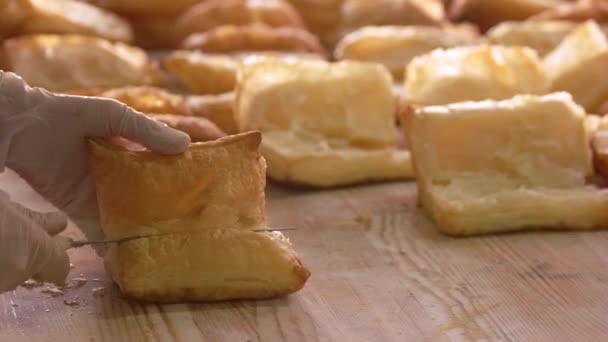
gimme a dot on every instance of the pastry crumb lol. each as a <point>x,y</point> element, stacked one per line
<point>364,219</point>
<point>71,302</point>
<point>77,282</point>
<point>99,291</point>
<point>52,290</point>
<point>47,310</point>
<point>31,283</point>
<point>98,280</point>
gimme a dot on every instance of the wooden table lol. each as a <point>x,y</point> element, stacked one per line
<point>380,272</point>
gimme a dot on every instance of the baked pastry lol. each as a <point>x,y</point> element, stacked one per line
<point>542,36</point>
<point>204,204</point>
<point>64,62</point>
<point>322,18</point>
<point>146,8</point>
<point>199,129</point>
<point>324,124</point>
<point>215,73</point>
<point>578,65</point>
<point>219,109</point>
<point>396,46</point>
<point>148,100</point>
<point>480,170</point>
<point>211,14</point>
<point>154,32</point>
<point>578,10</point>
<point>489,13</point>
<point>61,16</point>
<point>227,39</point>
<point>474,73</point>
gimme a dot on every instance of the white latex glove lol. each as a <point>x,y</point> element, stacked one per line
<point>42,138</point>
<point>26,247</point>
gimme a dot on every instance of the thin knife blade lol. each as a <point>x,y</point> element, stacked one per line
<point>81,243</point>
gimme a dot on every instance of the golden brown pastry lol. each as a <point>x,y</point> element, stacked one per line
<point>480,170</point>
<point>579,10</point>
<point>147,7</point>
<point>206,202</point>
<point>61,16</point>
<point>65,62</point>
<point>219,109</point>
<point>215,73</point>
<point>322,18</point>
<point>542,36</point>
<point>489,13</point>
<point>324,124</point>
<point>578,66</point>
<point>474,73</point>
<point>149,100</point>
<point>211,14</point>
<point>396,46</point>
<point>227,39</point>
<point>199,129</point>
<point>154,32</point>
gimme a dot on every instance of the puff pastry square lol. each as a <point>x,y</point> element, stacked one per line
<point>205,202</point>
<point>474,73</point>
<point>319,113</point>
<point>396,46</point>
<point>578,66</point>
<point>65,62</point>
<point>498,166</point>
<point>61,16</point>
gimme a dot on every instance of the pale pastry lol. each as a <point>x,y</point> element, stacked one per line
<point>498,166</point>
<point>65,62</point>
<point>61,16</point>
<point>219,109</point>
<point>155,32</point>
<point>474,73</point>
<point>205,202</point>
<point>487,13</point>
<point>228,39</point>
<point>542,36</point>
<point>576,10</point>
<point>578,66</point>
<point>143,8</point>
<point>211,14</point>
<point>396,46</point>
<point>199,129</point>
<point>215,73</point>
<point>600,152</point>
<point>316,114</point>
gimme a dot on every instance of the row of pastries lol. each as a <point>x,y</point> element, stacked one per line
<point>494,110</point>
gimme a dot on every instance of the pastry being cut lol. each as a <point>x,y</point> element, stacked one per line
<point>489,13</point>
<point>211,14</point>
<point>542,36</point>
<point>578,66</point>
<point>19,17</point>
<point>474,73</point>
<point>206,204</point>
<point>497,166</point>
<point>229,39</point>
<point>215,73</point>
<point>219,109</point>
<point>396,46</point>
<point>65,62</point>
<point>199,129</point>
<point>325,124</point>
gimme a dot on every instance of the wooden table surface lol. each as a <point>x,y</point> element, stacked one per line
<point>380,272</point>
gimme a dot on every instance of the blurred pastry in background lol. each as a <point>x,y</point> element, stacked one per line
<point>219,109</point>
<point>579,10</point>
<point>542,36</point>
<point>154,32</point>
<point>146,8</point>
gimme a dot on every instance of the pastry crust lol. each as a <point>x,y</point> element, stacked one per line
<point>208,15</point>
<point>489,13</point>
<point>206,203</point>
<point>542,36</point>
<point>215,73</point>
<point>474,73</point>
<point>227,39</point>
<point>525,177</point>
<point>147,7</point>
<point>219,109</point>
<point>577,10</point>
<point>64,62</point>
<point>578,66</point>
<point>199,129</point>
<point>62,16</point>
<point>149,100</point>
<point>324,124</point>
<point>396,46</point>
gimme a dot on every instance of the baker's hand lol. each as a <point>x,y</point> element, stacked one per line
<point>43,138</point>
<point>27,249</point>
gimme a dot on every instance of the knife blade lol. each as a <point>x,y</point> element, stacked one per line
<point>81,243</point>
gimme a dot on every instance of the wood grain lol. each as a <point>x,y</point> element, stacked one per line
<point>381,272</point>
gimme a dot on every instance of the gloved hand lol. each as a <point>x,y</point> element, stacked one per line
<point>42,138</point>
<point>26,247</point>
